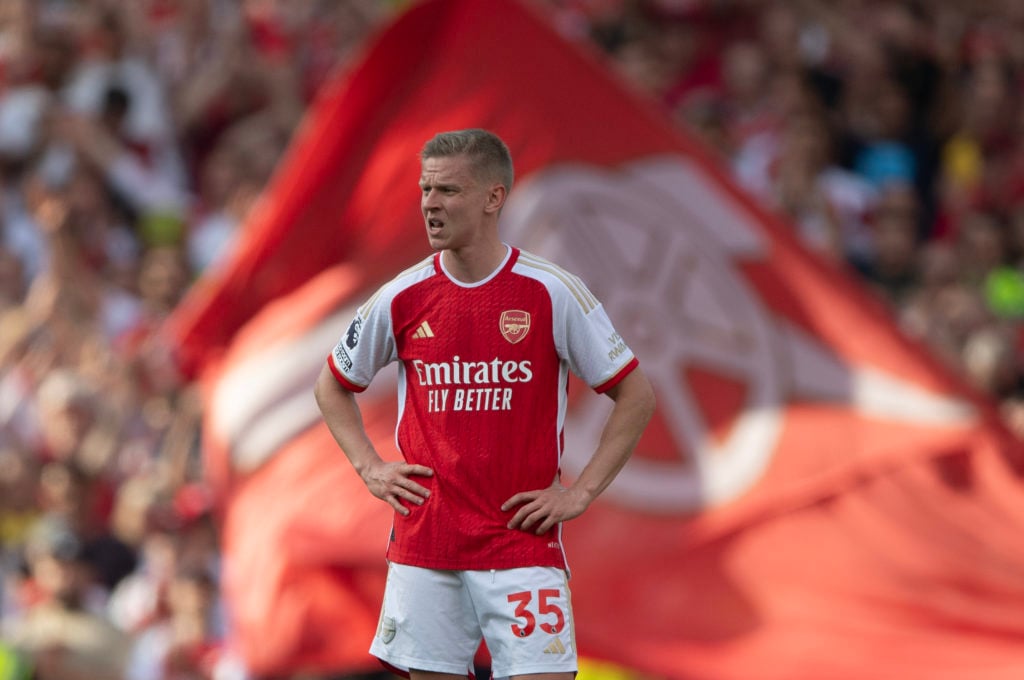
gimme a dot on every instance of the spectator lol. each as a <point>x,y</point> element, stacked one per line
<point>187,643</point>
<point>123,92</point>
<point>828,205</point>
<point>19,481</point>
<point>891,267</point>
<point>60,630</point>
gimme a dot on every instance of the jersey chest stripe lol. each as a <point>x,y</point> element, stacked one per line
<point>583,296</point>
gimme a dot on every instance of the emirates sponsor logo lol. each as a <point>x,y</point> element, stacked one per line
<point>460,372</point>
<point>477,385</point>
<point>514,324</point>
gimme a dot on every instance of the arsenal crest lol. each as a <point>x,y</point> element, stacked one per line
<point>514,324</point>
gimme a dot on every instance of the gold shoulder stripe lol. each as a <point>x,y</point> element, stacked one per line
<point>575,285</point>
<point>416,268</point>
<point>428,262</point>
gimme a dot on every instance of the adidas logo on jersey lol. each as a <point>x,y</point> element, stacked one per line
<point>556,647</point>
<point>423,331</point>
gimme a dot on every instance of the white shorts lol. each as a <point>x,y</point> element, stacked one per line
<point>433,620</point>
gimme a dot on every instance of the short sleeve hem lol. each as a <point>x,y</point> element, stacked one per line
<point>618,377</point>
<point>345,382</point>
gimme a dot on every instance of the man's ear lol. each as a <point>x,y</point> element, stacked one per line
<point>496,198</point>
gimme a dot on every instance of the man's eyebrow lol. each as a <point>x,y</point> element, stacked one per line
<point>438,185</point>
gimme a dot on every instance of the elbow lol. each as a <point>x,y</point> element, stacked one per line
<point>641,396</point>
<point>648,401</point>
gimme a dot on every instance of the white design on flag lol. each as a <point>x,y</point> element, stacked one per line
<point>263,402</point>
<point>656,242</point>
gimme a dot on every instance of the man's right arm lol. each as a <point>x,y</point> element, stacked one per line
<point>393,481</point>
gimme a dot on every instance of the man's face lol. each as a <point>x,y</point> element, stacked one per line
<point>455,202</point>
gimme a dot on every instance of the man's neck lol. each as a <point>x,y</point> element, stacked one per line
<point>473,264</point>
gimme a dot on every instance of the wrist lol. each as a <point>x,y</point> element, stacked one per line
<point>584,493</point>
<point>366,463</point>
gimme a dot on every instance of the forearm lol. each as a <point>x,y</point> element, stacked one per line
<point>634,406</point>
<point>540,509</point>
<point>343,418</point>
<point>393,482</point>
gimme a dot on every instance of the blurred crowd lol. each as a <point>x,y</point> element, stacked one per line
<point>134,138</point>
<point>136,135</point>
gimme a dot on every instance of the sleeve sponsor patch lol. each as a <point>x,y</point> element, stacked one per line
<point>342,358</point>
<point>352,334</point>
<point>618,346</point>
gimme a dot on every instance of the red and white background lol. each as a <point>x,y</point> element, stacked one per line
<point>815,498</point>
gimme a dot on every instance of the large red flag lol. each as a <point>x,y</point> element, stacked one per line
<point>815,497</point>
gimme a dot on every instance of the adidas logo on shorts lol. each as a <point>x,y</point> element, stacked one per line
<point>556,647</point>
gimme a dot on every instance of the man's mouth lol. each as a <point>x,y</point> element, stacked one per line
<point>434,225</point>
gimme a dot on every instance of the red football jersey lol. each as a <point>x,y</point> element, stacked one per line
<point>483,377</point>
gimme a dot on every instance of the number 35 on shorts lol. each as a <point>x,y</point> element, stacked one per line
<point>537,608</point>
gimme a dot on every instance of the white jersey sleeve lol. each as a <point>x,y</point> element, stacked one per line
<point>368,345</point>
<point>594,350</point>
<point>583,333</point>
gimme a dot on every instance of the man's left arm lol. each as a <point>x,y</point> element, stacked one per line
<point>542,509</point>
